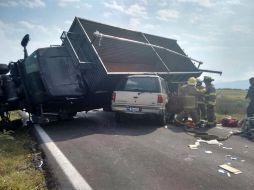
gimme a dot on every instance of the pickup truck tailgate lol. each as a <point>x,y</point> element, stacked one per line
<point>136,98</point>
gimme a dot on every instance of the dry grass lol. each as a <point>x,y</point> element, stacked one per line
<point>16,168</point>
<point>231,102</point>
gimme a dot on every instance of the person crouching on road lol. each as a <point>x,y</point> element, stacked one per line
<point>250,95</point>
<point>201,100</point>
<point>210,99</point>
<point>189,92</point>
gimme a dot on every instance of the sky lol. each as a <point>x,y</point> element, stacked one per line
<point>220,33</point>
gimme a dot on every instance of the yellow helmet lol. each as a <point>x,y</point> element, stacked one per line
<point>192,81</point>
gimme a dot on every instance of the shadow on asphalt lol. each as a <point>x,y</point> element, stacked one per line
<point>181,129</point>
<point>98,123</point>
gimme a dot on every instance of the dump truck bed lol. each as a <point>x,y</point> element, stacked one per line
<point>126,52</point>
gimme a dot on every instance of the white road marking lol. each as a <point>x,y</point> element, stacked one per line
<point>68,169</point>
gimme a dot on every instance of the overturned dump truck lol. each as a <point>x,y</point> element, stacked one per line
<point>81,74</point>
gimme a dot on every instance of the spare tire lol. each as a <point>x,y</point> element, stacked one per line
<point>4,69</point>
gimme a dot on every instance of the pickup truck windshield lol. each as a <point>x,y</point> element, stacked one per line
<point>141,84</point>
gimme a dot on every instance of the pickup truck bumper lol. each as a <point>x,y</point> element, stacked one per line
<point>138,110</point>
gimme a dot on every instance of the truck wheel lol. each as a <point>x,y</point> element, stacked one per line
<point>66,116</point>
<point>107,109</point>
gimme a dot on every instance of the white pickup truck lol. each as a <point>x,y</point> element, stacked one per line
<point>141,95</point>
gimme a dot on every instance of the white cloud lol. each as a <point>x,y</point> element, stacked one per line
<point>11,36</point>
<point>167,14</point>
<point>134,10</point>
<point>107,14</point>
<point>145,2</point>
<point>75,3</point>
<point>68,22</point>
<point>195,18</point>
<point>26,3</point>
<point>241,29</point>
<point>33,3</point>
<point>232,2</point>
<point>202,3</point>
<point>32,26</point>
<point>149,26</point>
<point>200,38</point>
<point>64,3</point>
<point>134,23</point>
<point>115,6</point>
<point>162,3</point>
<point>86,5</point>
<point>4,3</point>
<point>9,42</point>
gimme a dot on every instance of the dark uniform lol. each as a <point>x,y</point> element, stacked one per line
<point>210,100</point>
<point>250,95</point>
<point>201,100</point>
<point>189,92</point>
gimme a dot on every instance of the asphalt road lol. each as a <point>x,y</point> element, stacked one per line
<point>140,155</point>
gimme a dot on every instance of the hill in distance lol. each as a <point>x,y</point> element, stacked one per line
<point>240,84</point>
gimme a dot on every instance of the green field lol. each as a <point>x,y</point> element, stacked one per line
<point>18,169</point>
<point>231,102</point>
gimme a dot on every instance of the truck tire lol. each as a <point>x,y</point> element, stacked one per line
<point>107,109</point>
<point>4,69</point>
<point>66,116</point>
<point>162,119</point>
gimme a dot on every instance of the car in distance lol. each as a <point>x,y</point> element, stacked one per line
<point>141,95</point>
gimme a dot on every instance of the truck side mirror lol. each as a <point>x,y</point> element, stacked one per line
<point>25,40</point>
<point>24,43</point>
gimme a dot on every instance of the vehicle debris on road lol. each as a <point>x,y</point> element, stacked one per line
<point>227,148</point>
<point>194,146</point>
<point>211,142</point>
<point>230,169</point>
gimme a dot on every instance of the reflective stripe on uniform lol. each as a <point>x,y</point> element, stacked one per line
<point>211,103</point>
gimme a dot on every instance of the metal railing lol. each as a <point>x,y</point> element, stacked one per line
<point>67,42</point>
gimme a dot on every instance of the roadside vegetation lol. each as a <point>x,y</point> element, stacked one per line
<point>231,102</point>
<point>18,164</point>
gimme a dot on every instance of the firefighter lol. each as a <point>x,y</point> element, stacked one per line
<point>210,100</point>
<point>189,92</point>
<point>201,100</point>
<point>250,95</point>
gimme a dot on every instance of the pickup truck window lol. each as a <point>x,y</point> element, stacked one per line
<point>142,84</point>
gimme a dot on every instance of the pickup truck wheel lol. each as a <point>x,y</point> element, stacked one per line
<point>162,120</point>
